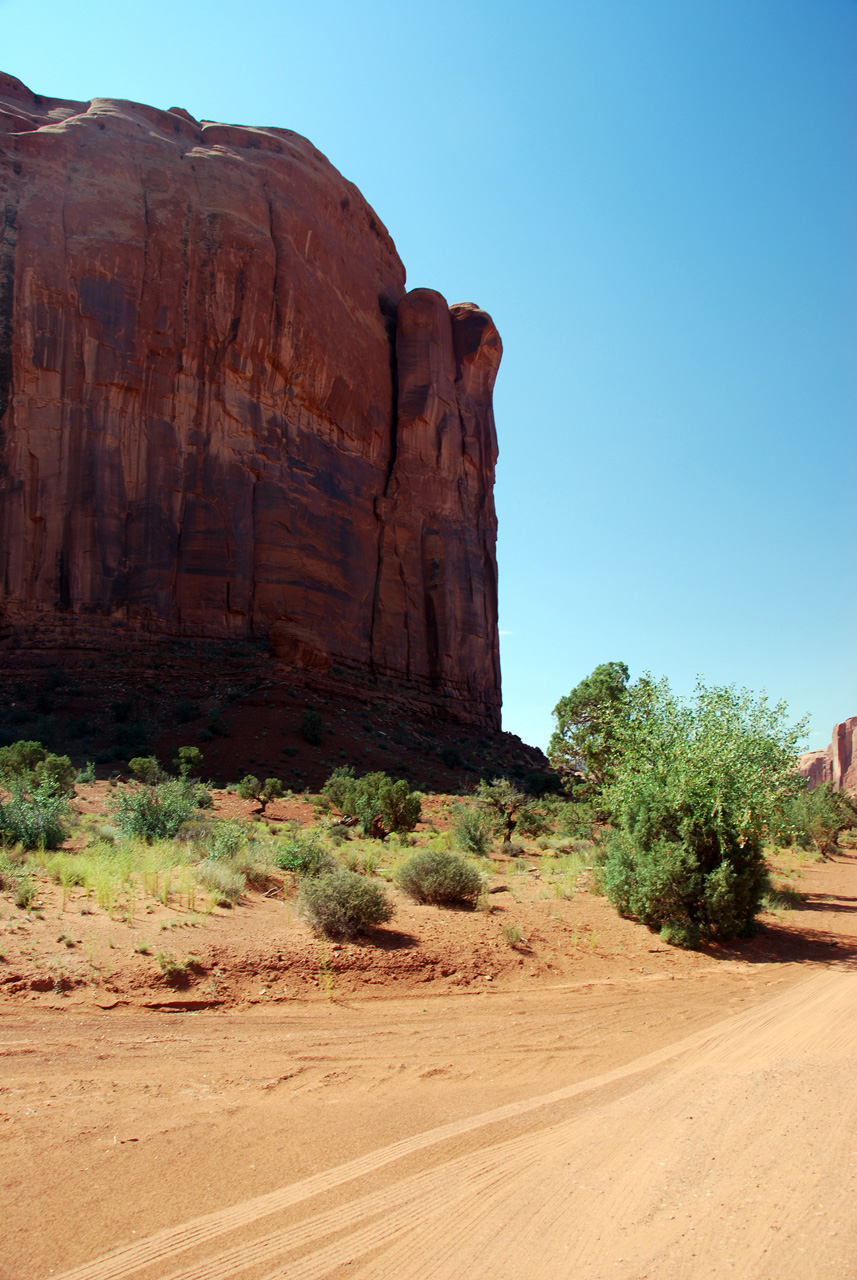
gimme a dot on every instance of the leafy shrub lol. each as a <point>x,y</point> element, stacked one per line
<point>339,786</point>
<point>379,804</point>
<point>471,829</point>
<point>87,773</point>
<point>359,860</point>
<point>441,878</point>
<point>342,904</point>
<point>250,788</point>
<point>224,840</point>
<point>30,765</point>
<point>697,786</point>
<point>146,769</point>
<point>502,801</point>
<point>188,760</point>
<point>304,855</point>
<point>36,819</point>
<point>312,728</point>
<point>814,819</point>
<point>531,822</point>
<point>156,813</point>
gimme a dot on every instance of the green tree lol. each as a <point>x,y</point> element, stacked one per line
<point>502,802</point>
<point>187,760</point>
<point>698,785</point>
<point>379,804</point>
<point>585,738</point>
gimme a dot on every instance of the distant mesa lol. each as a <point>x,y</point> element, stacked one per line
<point>837,763</point>
<point>223,415</point>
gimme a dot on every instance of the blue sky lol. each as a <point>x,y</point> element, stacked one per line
<point>656,202</point>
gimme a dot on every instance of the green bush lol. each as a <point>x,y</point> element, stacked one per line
<point>698,785</point>
<point>502,801</point>
<point>312,728</point>
<point>250,788</point>
<point>304,855</point>
<point>440,878</point>
<point>379,804</point>
<point>224,839</point>
<point>342,904</point>
<point>814,819</point>
<point>471,829</point>
<point>146,769</point>
<point>156,813</point>
<point>30,765</point>
<point>36,819</point>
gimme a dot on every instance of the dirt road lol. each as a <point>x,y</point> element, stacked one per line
<point>686,1125</point>
<point>735,1150</point>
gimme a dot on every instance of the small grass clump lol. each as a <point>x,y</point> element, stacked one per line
<point>225,882</point>
<point>440,878</point>
<point>343,904</point>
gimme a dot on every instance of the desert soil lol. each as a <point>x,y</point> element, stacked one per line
<point>447,1106</point>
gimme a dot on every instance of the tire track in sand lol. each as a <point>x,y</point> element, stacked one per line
<point>505,1208</point>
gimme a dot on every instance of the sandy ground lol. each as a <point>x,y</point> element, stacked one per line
<point>685,1117</point>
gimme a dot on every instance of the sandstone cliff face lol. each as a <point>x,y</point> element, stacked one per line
<point>221,413</point>
<point>837,763</point>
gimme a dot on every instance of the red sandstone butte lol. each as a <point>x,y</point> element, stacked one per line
<point>221,412</point>
<point>837,763</point>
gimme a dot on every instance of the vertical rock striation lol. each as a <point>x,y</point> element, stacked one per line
<point>221,413</point>
<point>837,763</point>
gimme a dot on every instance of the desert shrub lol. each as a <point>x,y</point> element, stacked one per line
<point>30,765</point>
<point>379,804</point>
<point>441,878</point>
<point>146,769</point>
<point>224,840</point>
<point>312,728</point>
<point>188,760</point>
<point>814,819</point>
<point>502,801</point>
<point>531,822</point>
<point>451,756</point>
<point>250,788</point>
<point>698,784</point>
<point>156,813</point>
<point>224,881</point>
<point>186,710</point>
<point>339,786</point>
<point>575,819</point>
<point>471,829</point>
<point>342,904</point>
<point>87,773</point>
<point>36,819</point>
<point>303,854</point>
<point>77,726</point>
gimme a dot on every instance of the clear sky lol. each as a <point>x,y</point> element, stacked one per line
<point>657,202</point>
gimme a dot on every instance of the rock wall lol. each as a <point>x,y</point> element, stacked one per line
<point>221,413</point>
<point>837,763</point>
